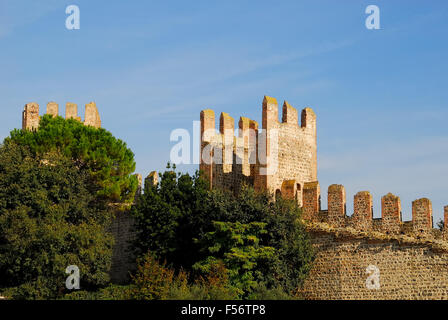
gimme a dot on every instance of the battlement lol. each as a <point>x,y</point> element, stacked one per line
<point>280,158</point>
<point>31,119</point>
<point>362,219</point>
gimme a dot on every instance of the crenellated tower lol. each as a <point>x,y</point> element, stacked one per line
<point>280,158</point>
<point>30,115</point>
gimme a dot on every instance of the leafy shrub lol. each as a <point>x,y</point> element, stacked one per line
<point>153,280</point>
<point>156,281</point>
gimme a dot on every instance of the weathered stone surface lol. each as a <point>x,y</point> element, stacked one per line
<point>92,116</point>
<point>288,190</point>
<point>30,116</point>
<point>282,152</point>
<point>391,213</point>
<point>53,109</point>
<point>123,259</point>
<point>311,201</point>
<point>71,111</point>
<point>336,205</point>
<point>363,211</point>
<point>152,179</point>
<point>406,270</point>
<point>422,216</point>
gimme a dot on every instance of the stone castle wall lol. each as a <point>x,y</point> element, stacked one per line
<point>411,257</point>
<point>406,268</point>
<point>362,219</point>
<point>123,261</point>
<point>123,230</point>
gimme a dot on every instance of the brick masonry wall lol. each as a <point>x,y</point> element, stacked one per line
<point>406,271</point>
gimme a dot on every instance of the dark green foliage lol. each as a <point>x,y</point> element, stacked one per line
<point>165,215</point>
<point>107,159</point>
<point>48,221</point>
<point>156,281</point>
<point>238,245</point>
<point>285,232</point>
<point>262,243</point>
<point>294,253</point>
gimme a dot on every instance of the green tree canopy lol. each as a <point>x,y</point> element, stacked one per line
<point>238,245</point>
<point>49,220</point>
<point>258,239</point>
<point>107,160</point>
<point>164,216</point>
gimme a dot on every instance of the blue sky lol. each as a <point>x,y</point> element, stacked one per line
<point>380,96</point>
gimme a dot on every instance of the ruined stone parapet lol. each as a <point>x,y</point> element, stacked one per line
<point>31,119</point>
<point>281,157</point>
